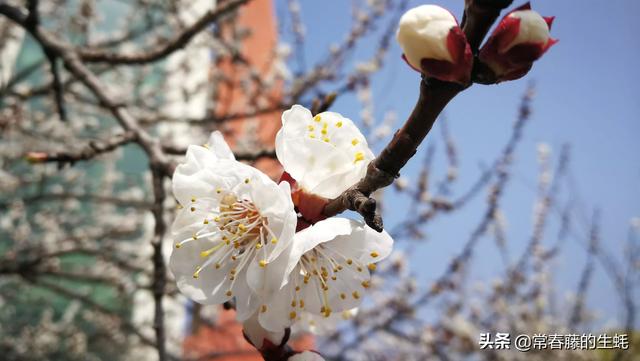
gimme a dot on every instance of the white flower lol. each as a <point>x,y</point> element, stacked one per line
<point>306,356</point>
<point>328,271</point>
<point>233,225</point>
<point>325,154</point>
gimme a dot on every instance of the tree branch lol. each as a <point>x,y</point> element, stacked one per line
<point>163,49</point>
<point>88,151</point>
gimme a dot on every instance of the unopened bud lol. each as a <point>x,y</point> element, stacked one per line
<point>520,38</point>
<point>37,157</point>
<point>434,44</point>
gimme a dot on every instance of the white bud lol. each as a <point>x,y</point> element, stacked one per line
<point>423,33</point>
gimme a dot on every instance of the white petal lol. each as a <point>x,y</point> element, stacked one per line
<point>211,285</point>
<point>246,301</point>
<point>265,281</point>
<point>276,314</point>
<point>323,231</point>
<point>257,334</point>
<point>219,147</point>
<point>533,28</point>
<point>363,243</point>
<point>306,356</point>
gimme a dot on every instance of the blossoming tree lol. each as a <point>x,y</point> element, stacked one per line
<point>278,251</point>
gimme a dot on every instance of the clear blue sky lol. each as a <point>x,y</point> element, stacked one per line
<point>586,86</point>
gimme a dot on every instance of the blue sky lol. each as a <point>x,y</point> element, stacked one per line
<point>586,86</point>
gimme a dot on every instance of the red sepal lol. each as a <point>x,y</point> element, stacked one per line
<point>458,71</point>
<point>310,206</point>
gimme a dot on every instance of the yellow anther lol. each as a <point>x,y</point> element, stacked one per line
<point>294,303</point>
<point>217,219</point>
<point>322,309</point>
<point>354,141</point>
<point>196,274</point>
<point>343,296</point>
<point>349,261</point>
<point>355,295</point>
<point>311,128</point>
<point>232,277</point>
<point>246,181</point>
<point>327,312</point>
<point>217,265</point>
<point>232,271</point>
<point>263,309</point>
<point>193,199</point>
<point>205,221</point>
<point>297,288</point>
<point>317,118</point>
<point>292,315</point>
<point>359,156</point>
<point>339,124</point>
<point>193,209</point>
<point>233,258</point>
<point>325,125</point>
<point>359,269</point>
<point>206,146</point>
<point>324,131</point>
<point>194,237</point>
<point>219,190</point>
<point>372,266</point>
<point>229,293</point>
<point>178,245</point>
<point>326,140</point>
<point>274,240</point>
<point>263,263</point>
<point>339,268</point>
<point>259,245</point>
<point>205,254</point>
<point>334,278</point>
<point>301,303</point>
<point>236,245</point>
<point>374,254</point>
<point>365,284</point>
<point>312,136</point>
<point>242,227</point>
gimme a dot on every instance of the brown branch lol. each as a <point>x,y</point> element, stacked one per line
<point>163,49</point>
<point>434,96</point>
<point>88,151</point>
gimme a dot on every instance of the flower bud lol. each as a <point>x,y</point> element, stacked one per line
<point>434,44</point>
<point>37,157</point>
<point>520,38</point>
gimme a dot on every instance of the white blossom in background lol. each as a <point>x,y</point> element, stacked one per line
<point>329,271</point>
<point>325,154</point>
<point>320,325</point>
<point>234,224</point>
<point>434,44</point>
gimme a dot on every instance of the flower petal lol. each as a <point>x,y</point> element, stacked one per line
<point>219,147</point>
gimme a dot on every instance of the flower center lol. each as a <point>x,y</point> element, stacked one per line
<point>239,234</point>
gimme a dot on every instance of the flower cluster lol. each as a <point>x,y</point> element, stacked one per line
<point>240,236</point>
<point>434,44</point>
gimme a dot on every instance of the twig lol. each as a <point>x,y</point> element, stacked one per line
<point>88,151</point>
